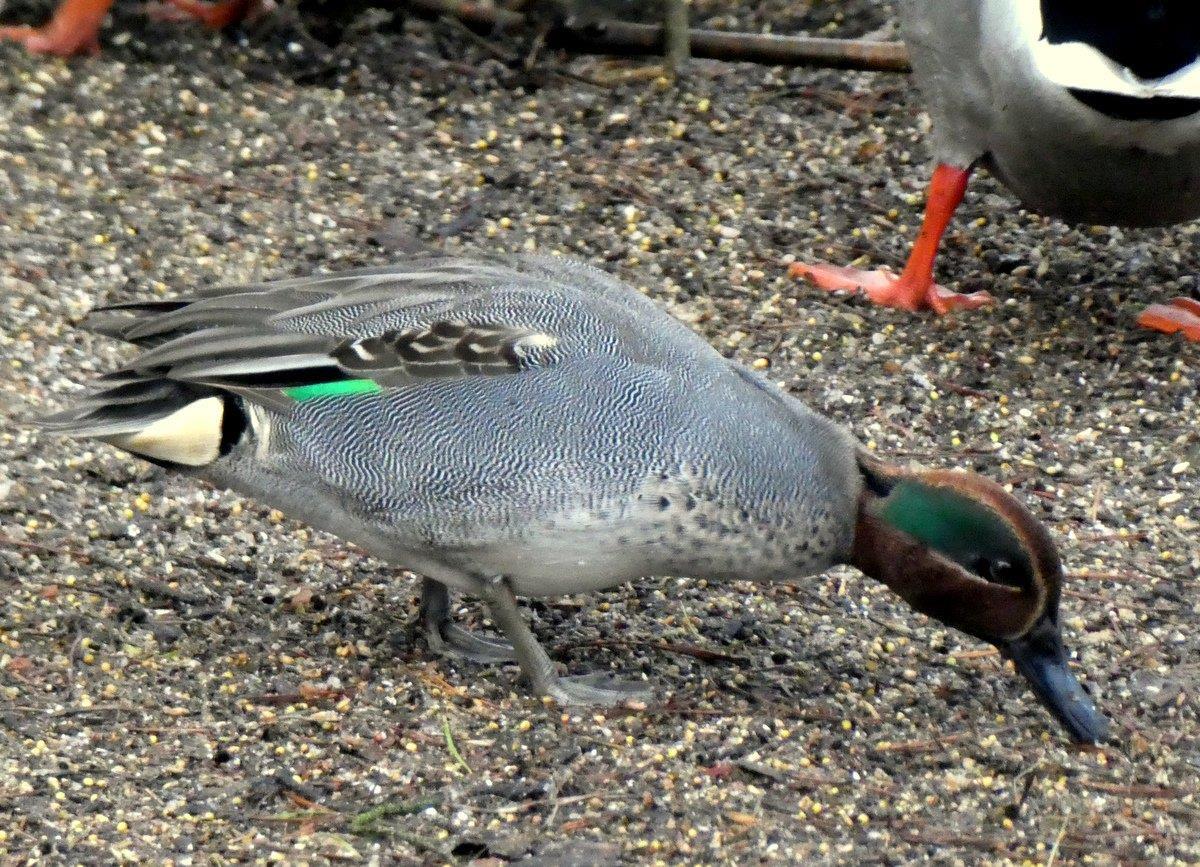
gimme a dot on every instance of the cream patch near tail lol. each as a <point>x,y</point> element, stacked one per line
<point>190,436</point>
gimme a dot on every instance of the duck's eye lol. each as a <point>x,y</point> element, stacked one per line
<point>1003,572</point>
<point>998,571</point>
<point>981,566</point>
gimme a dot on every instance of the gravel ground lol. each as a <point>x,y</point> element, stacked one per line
<point>191,676</point>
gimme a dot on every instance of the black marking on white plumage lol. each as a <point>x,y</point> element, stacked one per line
<point>447,348</point>
<point>1133,108</point>
<point>1152,39</point>
<point>1150,56</point>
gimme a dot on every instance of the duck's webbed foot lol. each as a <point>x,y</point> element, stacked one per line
<point>536,665</point>
<point>902,291</point>
<point>599,689</point>
<point>448,639</point>
<point>913,289</point>
<point>1181,315</point>
<point>74,29</point>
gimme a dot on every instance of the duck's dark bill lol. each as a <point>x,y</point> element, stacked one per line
<point>1041,657</point>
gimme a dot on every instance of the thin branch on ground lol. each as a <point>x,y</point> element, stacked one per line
<point>626,37</point>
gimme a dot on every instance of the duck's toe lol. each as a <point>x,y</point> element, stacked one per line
<point>51,40</point>
<point>464,644</point>
<point>888,289</point>
<point>446,638</point>
<point>1182,315</point>
<point>73,29</point>
<point>213,15</point>
<point>599,689</point>
<point>942,300</point>
<point>838,278</point>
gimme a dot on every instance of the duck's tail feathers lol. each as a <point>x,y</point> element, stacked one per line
<point>121,321</point>
<point>168,422</point>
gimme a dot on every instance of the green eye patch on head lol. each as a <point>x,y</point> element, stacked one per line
<point>957,526</point>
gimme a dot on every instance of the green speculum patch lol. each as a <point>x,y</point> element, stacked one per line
<point>341,388</point>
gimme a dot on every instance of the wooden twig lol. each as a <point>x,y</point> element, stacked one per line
<point>1062,832</point>
<point>1113,536</point>
<point>526,806</point>
<point>964,390</point>
<point>625,37</point>
<point>945,840</point>
<point>921,746</point>
<point>1122,577</point>
<point>304,696</point>
<point>204,182</point>
<point>160,588</point>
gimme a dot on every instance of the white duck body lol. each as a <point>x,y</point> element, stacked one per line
<point>999,91</point>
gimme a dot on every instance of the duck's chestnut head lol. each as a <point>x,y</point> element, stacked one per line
<point>961,549</point>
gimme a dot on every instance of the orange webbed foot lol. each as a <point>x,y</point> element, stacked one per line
<point>889,289</point>
<point>74,29</point>
<point>1179,315</point>
<point>41,40</point>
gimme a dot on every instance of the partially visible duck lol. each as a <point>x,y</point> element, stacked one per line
<point>535,427</point>
<point>1089,111</point>
<point>75,26</point>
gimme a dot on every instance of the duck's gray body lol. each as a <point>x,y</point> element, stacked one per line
<point>999,92</point>
<point>627,448</point>
<point>533,426</point>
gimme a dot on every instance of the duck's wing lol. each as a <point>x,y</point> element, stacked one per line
<point>278,344</point>
<point>330,303</point>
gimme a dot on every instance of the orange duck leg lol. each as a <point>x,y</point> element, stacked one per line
<point>913,289</point>
<point>74,29</point>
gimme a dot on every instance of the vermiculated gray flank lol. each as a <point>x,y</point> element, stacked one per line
<point>631,448</point>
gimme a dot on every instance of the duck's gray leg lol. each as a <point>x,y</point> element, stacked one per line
<point>448,639</point>
<point>591,689</point>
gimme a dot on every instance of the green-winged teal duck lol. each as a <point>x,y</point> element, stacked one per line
<point>534,427</point>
